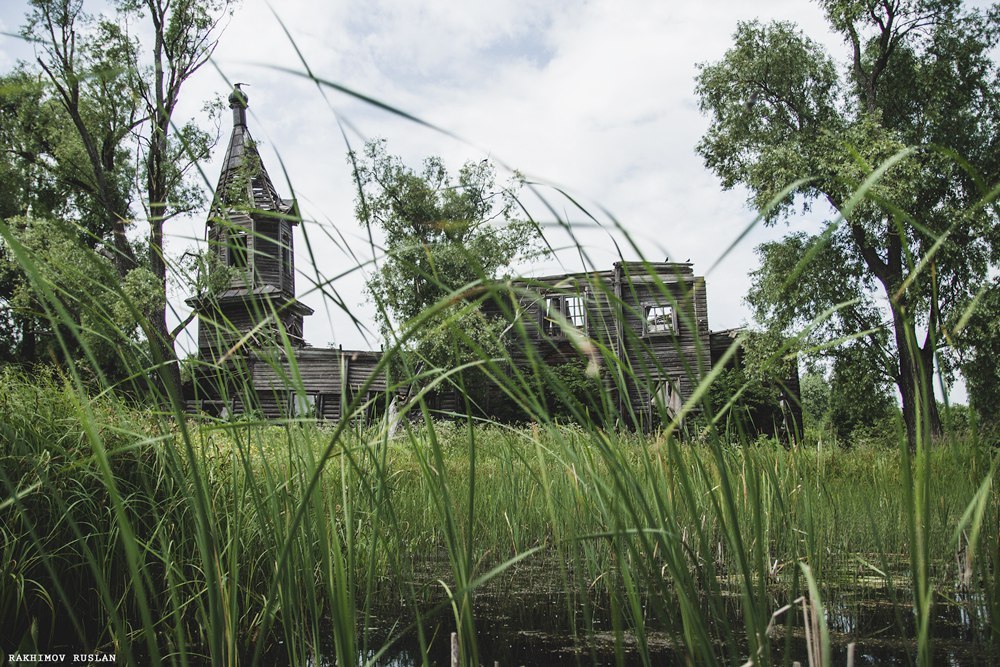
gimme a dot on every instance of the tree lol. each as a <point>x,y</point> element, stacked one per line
<point>919,87</point>
<point>754,387</point>
<point>98,327</point>
<point>978,348</point>
<point>442,234</point>
<point>861,406</point>
<point>120,96</point>
<point>28,129</point>
<point>815,392</point>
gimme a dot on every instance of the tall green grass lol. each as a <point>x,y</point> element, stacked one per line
<point>112,538</point>
<point>130,526</point>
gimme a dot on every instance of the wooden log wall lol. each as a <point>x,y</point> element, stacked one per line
<point>333,377</point>
<point>680,355</point>
<point>615,303</point>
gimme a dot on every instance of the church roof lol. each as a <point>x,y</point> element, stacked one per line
<point>251,294</point>
<point>244,180</point>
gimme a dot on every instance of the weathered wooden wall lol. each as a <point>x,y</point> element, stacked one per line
<point>675,352</point>
<point>615,303</point>
<point>331,377</point>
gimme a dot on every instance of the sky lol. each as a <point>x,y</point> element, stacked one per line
<point>595,97</point>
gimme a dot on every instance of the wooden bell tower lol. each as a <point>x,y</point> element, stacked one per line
<point>251,235</point>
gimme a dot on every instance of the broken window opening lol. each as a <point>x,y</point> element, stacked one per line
<point>659,319</point>
<point>572,310</point>
<point>286,252</point>
<point>667,399</point>
<point>303,405</point>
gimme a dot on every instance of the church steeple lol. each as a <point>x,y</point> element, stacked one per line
<point>251,231</point>
<point>238,102</point>
<point>244,182</point>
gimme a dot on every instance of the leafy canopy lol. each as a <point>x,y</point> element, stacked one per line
<point>443,234</point>
<point>96,140</point>
<point>874,137</point>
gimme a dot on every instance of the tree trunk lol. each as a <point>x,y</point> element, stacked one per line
<point>29,349</point>
<point>931,415</point>
<point>916,382</point>
<point>164,356</point>
<point>162,344</point>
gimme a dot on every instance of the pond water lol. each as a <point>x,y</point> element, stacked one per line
<point>525,618</point>
<point>536,628</point>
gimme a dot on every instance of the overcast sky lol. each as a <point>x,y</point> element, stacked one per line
<point>595,96</point>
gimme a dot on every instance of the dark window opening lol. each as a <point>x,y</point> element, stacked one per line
<point>286,252</point>
<point>238,250</point>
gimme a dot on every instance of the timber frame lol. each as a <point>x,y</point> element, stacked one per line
<point>641,327</point>
<point>651,317</point>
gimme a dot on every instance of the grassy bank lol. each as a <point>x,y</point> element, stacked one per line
<point>230,542</point>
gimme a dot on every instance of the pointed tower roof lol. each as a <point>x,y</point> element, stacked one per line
<point>244,180</point>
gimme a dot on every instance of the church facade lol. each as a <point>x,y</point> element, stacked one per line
<point>252,355</point>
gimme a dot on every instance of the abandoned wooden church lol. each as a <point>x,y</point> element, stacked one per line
<point>250,329</point>
<point>253,357</point>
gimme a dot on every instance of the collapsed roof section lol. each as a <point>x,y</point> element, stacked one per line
<point>244,181</point>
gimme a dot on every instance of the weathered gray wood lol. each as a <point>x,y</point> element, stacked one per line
<point>622,309</point>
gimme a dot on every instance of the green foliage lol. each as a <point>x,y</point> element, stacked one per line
<point>572,393</point>
<point>861,406</point>
<point>978,349</point>
<point>100,318</point>
<point>103,529</point>
<point>919,88</point>
<point>834,278</point>
<point>753,390</point>
<point>463,335</point>
<point>814,389</point>
<point>42,178</point>
<point>753,404</point>
<point>101,131</point>
<point>29,126</point>
<point>442,233</point>
<point>444,237</point>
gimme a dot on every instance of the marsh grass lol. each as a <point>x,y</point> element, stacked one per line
<point>130,526</point>
<point>669,533</point>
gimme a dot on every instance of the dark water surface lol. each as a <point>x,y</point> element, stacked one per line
<point>527,618</point>
<point>535,628</point>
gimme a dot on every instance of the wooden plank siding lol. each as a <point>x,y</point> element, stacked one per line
<point>223,325</point>
<point>650,319</point>
<point>615,304</point>
<point>680,354</point>
<point>328,378</point>
<point>333,376</point>
<point>266,253</point>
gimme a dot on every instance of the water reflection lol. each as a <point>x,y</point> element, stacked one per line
<point>556,628</point>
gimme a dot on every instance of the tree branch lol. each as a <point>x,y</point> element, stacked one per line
<point>183,325</point>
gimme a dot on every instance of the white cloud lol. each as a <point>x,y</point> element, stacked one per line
<point>596,96</point>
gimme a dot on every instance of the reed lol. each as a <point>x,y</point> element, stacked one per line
<point>113,538</point>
